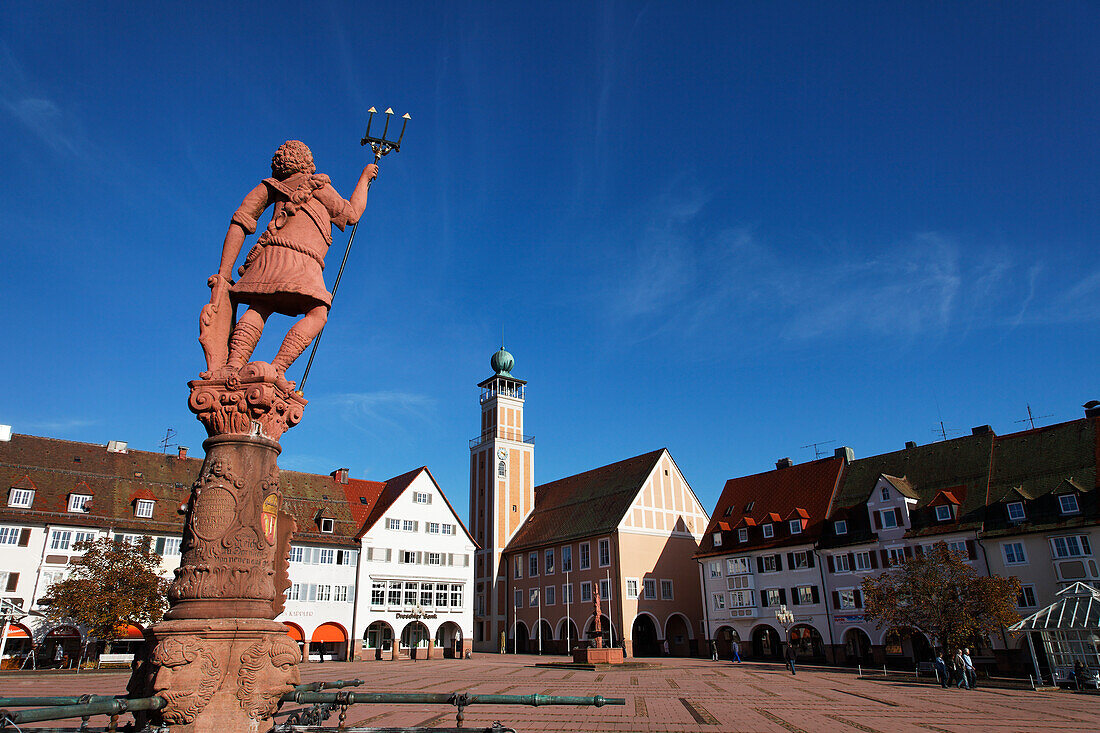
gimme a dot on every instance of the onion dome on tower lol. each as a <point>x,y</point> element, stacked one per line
<point>502,363</point>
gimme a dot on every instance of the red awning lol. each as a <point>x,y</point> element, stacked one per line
<point>17,632</point>
<point>294,632</point>
<point>329,632</point>
<point>129,631</point>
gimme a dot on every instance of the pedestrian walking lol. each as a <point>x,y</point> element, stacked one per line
<point>713,651</point>
<point>970,670</point>
<point>960,670</point>
<point>941,669</point>
<point>734,646</point>
<point>792,655</point>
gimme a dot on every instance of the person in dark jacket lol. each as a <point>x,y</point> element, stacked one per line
<point>941,669</point>
<point>792,655</point>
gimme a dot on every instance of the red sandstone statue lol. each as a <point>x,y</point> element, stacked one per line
<point>596,613</point>
<point>282,272</point>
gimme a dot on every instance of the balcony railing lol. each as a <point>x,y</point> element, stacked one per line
<point>502,434</point>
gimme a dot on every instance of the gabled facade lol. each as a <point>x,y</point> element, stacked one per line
<point>415,571</point>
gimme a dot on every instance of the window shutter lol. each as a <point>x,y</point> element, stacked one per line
<point>759,563</point>
<point>874,562</point>
<point>829,561</point>
<point>778,561</point>
<point>13,580</point>
<point>24,537</point>
<point>859,598</point>
<point>790,560</point>
<point>836,599</point>
<point>897,515</point>
<point>416,526</point>
<point>810,558</point>
<point>400,556</point>
<point>878,520</point>
<point>885,558</point>
<point>919,549</point>
<point>449,558</point>
<point>817,596</point>
<point>851,561</point>
<point>794,596</point>
<point>419,557</point>
<point>782,596</point>
<point>369,553</point>
<point>908,552</point>
<point>465,561</point>
<point>763,598</point>
<point>159,547</point>
<point>970,551</point>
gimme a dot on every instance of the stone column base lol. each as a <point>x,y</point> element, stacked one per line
<point>219,675</point>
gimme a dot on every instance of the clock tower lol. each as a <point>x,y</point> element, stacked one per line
<point>501,493</point>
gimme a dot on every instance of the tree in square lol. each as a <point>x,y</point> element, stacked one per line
<point>940,594</point>
<point>116,583</point>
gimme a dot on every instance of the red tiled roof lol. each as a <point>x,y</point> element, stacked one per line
<point>724,526</point>
<point>584,504</point>
<point>362,496</point>
<point>142,493</point>
<point>803,490</point>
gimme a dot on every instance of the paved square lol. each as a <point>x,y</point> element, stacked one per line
<point>672,695</point>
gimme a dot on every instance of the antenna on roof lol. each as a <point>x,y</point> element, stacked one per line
<point>944,432</point>
<point>164,444</point>
<point>1032,418</point>
<point>817,448</point>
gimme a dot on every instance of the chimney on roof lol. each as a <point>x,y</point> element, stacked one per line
<point>182,451</point>
<point>1092,409</point>
<point>341,475</point>
<point>116,446</point>
<point>845,452</point>
<point>981,430</point>
<point>784,463</point>
<point>5,433</point>
<point>910,444</point>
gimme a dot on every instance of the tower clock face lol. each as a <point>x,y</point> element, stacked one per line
<point>502,453</point>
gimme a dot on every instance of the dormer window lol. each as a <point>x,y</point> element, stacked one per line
<point>1016,511</point>
<point>1067,503</point>
<point>888,518</point>
<point>795,526</point>
<point>743,535</point>
<point>143,508</point>
<point>769,530</point>
<point>22,498</point>
<point>840,526</point>
<point>78,503</point>
<point>749,506</point>
<point>717,539</point>
<point>729,511</point>
<point>421,498</point>
<point>885,494</point>
<point>943,512</point>
<point>328,525</point>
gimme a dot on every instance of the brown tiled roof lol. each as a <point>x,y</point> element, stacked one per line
<point>803,490</point>
<point>55,468</point>
<point>585,504</point>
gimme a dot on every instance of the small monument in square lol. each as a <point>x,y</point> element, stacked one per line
<point>219,658</point>
<point>597,653</point>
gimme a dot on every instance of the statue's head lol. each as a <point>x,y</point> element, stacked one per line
<point>187,676</point>
<point>292,157</point>
<point>269,669</point>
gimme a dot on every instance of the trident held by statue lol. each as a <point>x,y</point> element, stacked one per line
<point>381,147</point>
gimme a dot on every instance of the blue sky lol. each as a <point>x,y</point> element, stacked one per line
<point>730,229</point>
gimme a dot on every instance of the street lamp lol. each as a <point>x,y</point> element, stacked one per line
<point>786,620</point>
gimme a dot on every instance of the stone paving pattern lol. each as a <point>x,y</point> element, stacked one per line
<point>672,695</point>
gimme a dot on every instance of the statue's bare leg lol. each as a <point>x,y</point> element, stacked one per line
<point>298,340</point>
<point>246,334</point>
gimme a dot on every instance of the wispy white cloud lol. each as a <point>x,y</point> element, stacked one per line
<point>34,110</point>
<point>58,425</point>
<point>383,411</point>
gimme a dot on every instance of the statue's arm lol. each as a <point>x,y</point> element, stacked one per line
<point>358,199</point>
<point>242,224</point>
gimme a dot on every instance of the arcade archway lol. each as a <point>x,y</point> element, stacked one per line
<point>677,636</point>
<point>766,643</point>
<point>643,634</point>
<point>857,647</point>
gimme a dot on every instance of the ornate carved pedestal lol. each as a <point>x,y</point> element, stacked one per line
<point>219,658</point>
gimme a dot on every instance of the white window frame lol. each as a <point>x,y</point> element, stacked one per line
<point>585,560</point>
<point>143,508</point>
<point>840,527</point>
<point>837,562</point>
<point>943,513</point>
<point>77,503</point>
<point>632,587</point>
<point>770,565</point>
<point>863,561</point>
<point>883,514</point>
<point>566,592</point>
<point>847,598</point>
<point>717,539</point>
<point>806,599</point>
<point>649,589</point>
<point>1081,546</point>
<point>666,584</point>
<point>1021,512</point>
<point>60,539</point>
<point>533,565</point>
<point>21,498</point>
<point>435,558</point>
<point>1014,553</point>
<point>1075,509</point>
<point>10,535</point>
<point>719,601</point>
<point>586,591</point>
<point>548,562</point>
<point>532,597</point>
<point>433,527</point>
<point>1025,591</point>
<point>605,589</point>
<point>769,530</point>
<point>567,558</point>
<point>794,526</point>
<point>603,549</point>
<point>548,595</point>
<point>518,598</point>
<point>420,497</point>
<point>393,523</point>
<point>716,569</point>
<point>742,534</point>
